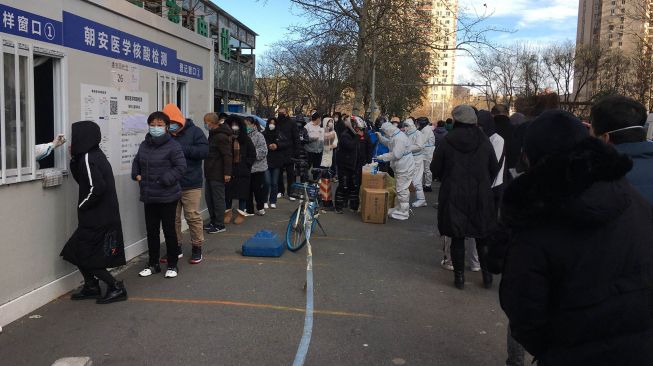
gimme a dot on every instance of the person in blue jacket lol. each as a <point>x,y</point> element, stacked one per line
<point>196,148</point>
<point>620,121</point>
<point>158,168</point>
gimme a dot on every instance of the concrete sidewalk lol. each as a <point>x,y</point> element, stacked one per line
<point>381,298</point>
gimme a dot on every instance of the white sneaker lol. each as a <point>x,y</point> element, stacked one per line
<point>149,271</point>
<point>261,212</point>
<point>247,214</point>
<point>171,273</point>
<point>266,206</point>
<point>292,199</point>
<point>279,195</point>
<point>420,204</point>
<point>446,264</point>
<point>273,206</point>
<point>475,269</point>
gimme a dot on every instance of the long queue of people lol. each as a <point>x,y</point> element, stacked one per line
<point>564,212</point>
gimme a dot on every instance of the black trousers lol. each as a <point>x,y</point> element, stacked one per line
<point>257,191</point>
<point>347,190</point>
<point>159,215</point>
<point>314,159</point>
<point>458,253</point>
<point>101,274</point>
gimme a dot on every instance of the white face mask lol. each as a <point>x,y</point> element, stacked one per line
<point>272,127</point>
<point>235,128</point>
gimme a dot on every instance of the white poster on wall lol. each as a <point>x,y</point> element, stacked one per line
<point>125,76</point>
<point>100,105</point>
<point>122,117</point>
<point>133,118</point>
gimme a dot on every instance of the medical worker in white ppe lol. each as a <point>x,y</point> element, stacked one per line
<point>416,143</point>
<point>402,163</point>
<point>429,148</point>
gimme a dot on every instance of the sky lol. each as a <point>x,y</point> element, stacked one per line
<point>537,22</point>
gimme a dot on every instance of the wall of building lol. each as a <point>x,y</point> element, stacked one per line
<point>36,222</point>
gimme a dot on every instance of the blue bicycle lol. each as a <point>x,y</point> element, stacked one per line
<point>303,220</point>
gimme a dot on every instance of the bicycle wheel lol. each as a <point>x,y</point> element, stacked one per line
<point>295,234</point>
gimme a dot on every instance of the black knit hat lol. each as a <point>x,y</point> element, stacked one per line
<point>554,131</point>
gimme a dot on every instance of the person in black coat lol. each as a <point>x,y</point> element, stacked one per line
<point>244,156</point>
<point>97,244</point>
<point>278,143</point>
<point>158,168</point>
<point>354,151</point>
<point>466,165</point>
<point>577,280</point>
<point>287,130</point>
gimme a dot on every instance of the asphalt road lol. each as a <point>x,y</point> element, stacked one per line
<point>381,298</point>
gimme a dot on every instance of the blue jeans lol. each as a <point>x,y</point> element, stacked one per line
<point>272,181</point>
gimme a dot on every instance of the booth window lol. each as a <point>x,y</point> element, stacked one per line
<point>28,114</point>
<point>171,89</point>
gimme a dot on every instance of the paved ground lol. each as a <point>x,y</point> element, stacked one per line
<point>381,298</point>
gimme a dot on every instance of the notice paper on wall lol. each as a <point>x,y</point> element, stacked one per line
<point>122,117</point>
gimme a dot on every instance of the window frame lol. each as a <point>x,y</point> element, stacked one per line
<point>18,48</point>
<point>170,91</point>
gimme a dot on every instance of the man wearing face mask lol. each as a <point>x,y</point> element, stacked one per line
<point>287,130</point>
<point>402,163</point>
<point>620,121</point>
<point>217,171</point>
<point>196,148</point>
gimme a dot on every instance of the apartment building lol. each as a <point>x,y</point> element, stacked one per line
<point>614,24</point>
<point>443,58</point>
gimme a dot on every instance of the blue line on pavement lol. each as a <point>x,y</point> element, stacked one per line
<point>302,351</point>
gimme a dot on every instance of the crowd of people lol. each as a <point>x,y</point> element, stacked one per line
<point>564,212</point>
<point>561,209</point>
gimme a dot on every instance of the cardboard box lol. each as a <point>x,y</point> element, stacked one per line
<point>374,181</point>
<point>375,206</point>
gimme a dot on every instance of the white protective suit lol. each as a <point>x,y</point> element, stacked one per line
<point>429,149</point>
<point>401,161</point>
<point>416,143</point>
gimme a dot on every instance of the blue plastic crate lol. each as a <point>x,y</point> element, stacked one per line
<point>264,244</point>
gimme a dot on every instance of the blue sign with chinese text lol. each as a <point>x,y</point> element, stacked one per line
<point>25,24</point>
<point>86,35</point>
<point>89,36</point>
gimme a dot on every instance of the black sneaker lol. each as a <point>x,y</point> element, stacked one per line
<point>217,229</point>
<point>88,291</point>
<point>196,256</point>
<point>164,259</point>
<point>208,226</point>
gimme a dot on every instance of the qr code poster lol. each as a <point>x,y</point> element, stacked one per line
<point>122,117</point>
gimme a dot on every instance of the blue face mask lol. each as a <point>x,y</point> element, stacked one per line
<point>206,125</point>
<point>157,131</point>
<point>173,127</point>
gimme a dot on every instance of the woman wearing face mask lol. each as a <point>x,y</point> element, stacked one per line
<point>158,168</point>
<point>277,142</point>
<point>258,188</point>
<point>244,157</point>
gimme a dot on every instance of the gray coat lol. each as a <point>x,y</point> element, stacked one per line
<point>161,164</point>
<point>261,163</point>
